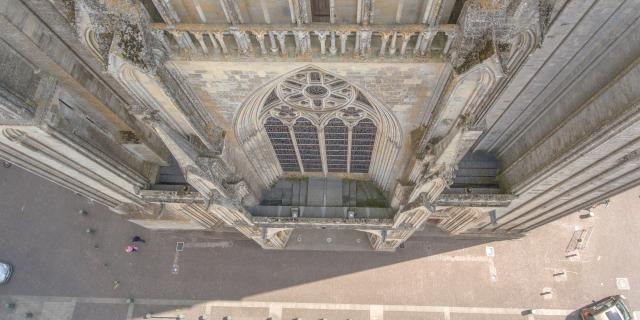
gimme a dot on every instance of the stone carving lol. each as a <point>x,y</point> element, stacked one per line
<point>242,40</point>
<point>260,37</point>
<point>308,84</point>
<point>280,35</point>
<point>383,45</point>
<point>365,43</point>
<point>343,41</point>
<point>314,90</point>
<point>322,36</point>
<point>351,114</point>
<point>303,42</point>
<point>302,36</point>
<point>488,28</point>
<point>285,113</point>
<point>459,219</point>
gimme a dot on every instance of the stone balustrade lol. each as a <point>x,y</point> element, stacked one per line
<point>408,42</point>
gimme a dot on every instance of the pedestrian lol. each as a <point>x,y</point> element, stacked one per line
<point>131,248</point>
<point>138,239</point>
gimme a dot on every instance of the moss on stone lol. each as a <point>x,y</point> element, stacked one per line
<point>131,43</point>
<point>69,7</point>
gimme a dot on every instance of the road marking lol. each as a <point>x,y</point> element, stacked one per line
<point>130,311</point>
<point>175,268</point>
<point>493,272</point>
<point>490,251</point>
<point>623,284</point>
<point>275,312</point>
<point>58,310</point>
<point>447,314</point>
<point>375,310</point>
<point>446,258</point>
<point>207,310</point>
<point>180,246</point>
<point>213,244</point>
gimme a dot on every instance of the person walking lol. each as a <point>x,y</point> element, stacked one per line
<point>131,248</point>
<point>137,239</point>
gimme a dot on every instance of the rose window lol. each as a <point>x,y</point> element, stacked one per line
<point>312,90</point>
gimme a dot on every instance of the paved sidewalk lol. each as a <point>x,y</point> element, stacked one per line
<point>43,235</point>
<point>113,308</point>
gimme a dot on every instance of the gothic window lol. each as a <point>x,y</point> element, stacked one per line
<point>282,145</point>
<point>362,140</point>
<point>336,136</point>
<point>312,90</point>
<point>294,110</point>
<point>318,123</point>
<point>307,140</point>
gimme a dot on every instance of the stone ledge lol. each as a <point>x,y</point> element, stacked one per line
<point>475,200</point>
<point>167,196</point>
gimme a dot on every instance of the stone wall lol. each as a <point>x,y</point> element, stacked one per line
<point>565,128</point>
<point>404,88</point>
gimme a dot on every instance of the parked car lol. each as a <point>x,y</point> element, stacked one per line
<point>5,272</point>
<point>609,308</point>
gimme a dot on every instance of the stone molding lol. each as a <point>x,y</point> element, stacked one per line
<point>308,38</point>
<point>252,136</point>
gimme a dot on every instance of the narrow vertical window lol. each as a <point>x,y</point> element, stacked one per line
<point>282,145</point>
<point>320,10</point>
<point>308,145</point>
<point>336,144</point>
<point>362,140</point>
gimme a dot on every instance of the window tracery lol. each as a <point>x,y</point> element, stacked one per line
<point>315,91</point>
<point>318,122</point>
<point>282,144</point>
<point>363,139</point>
<point>320,112</point>
<point>308,145</point>
<point>336,135</point>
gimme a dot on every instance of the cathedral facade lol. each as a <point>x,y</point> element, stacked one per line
<point>276,118</point>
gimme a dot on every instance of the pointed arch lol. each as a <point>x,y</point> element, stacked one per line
<point>363,140</point>
<point>282,144</point>
<point>316,106</point>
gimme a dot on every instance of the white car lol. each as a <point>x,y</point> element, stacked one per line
<point>609,308</point>
<point>5,272</point>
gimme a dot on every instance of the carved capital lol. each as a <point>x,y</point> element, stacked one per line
<point>259,33</point>
<point>242,40</point>
<point>322,35</point>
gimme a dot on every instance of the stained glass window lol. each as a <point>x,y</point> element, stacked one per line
<point>283,146</point>
<point>307,139</point>
<point>336,136</point>
<point>362,140</point>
